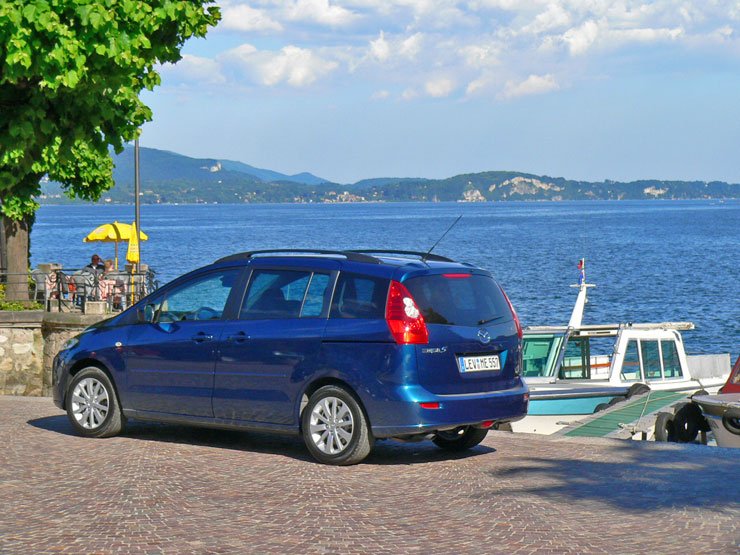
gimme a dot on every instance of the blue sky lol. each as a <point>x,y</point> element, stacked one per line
<point>583,89</point>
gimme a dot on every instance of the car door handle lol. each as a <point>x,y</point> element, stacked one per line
<point>202,337</point>
<point>240,337</point>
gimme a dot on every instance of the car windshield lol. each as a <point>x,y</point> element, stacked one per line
<point>459,299</point>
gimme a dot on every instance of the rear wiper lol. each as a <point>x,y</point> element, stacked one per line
<point>489,320</point>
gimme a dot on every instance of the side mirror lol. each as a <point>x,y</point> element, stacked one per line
<point>145,315</point>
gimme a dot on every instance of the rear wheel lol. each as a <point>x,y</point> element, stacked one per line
<point>92,406</point>
<point>460,439</point>
<point>334,427</point>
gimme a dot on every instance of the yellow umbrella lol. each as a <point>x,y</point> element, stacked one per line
<point>113,233</point>
<point>133,247</point>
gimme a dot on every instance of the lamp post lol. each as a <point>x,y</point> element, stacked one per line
<point>137,203</point>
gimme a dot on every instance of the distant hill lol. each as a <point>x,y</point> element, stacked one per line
<point>168,177</point>
<point>162,165</point>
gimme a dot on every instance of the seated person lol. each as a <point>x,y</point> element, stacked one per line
<point>96,264</point>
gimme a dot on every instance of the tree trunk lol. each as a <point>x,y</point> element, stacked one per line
<point>16,251</point>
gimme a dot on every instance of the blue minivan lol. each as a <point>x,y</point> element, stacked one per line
<point>343,347</point>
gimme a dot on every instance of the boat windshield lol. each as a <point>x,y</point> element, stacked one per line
<point>587,358</point>
<point>539,354</point>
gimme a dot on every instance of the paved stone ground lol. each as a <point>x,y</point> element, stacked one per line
<point>170,489</point>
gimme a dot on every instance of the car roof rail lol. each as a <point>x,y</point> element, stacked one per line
<point>423,255</point>
<point>349,255</point>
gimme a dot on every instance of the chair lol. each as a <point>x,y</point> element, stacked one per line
<point>40,289</point>
<point>85,286</point>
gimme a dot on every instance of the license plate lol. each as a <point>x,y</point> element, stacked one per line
<point>487,363</point>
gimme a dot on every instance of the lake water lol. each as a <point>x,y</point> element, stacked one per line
<point>651,260</point>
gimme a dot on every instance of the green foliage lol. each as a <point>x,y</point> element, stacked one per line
<point>16,305</point>
<point>71,72</point>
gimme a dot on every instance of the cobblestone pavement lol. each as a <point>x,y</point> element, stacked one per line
<point>170,489</point>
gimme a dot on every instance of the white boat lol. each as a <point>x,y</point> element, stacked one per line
<point>722,413</point>
<point>578,369</point>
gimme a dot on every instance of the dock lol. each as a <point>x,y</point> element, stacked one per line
<point>635,415</point>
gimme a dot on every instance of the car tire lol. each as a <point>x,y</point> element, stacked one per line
<point>460,439</point>
<point>92,404</point>
<point>334,427</point>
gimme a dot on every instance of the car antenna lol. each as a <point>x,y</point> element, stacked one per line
<point>424,258</point>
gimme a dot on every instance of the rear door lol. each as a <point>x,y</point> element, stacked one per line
<point>473,342</point>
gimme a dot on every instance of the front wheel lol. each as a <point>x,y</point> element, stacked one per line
<point>92,406</point>
<point>460,439</point>
<point>334,427</point>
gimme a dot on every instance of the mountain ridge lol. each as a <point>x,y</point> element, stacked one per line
<point>169,177</point>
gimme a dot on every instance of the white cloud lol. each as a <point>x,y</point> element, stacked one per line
<point>439,88</point>
<point>319,11</point>
<point>534,84</point>
<point>480,55</point>
<point>193,69</point>
<point>381,95</point>
<point>409,94</point>
<point>380,49</point>
<point>555,16</point>
<point>411,46</point>
<point>580,39</point>
<point>244,18</point>
<point>292,65</point>
<point>480,46</point>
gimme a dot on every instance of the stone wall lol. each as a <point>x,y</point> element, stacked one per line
<point>29,341</point>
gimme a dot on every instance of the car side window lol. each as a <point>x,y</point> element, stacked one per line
<point>204,298</point>
<point>313,305</point>
<point>275,294</point>
<point>358,296</point>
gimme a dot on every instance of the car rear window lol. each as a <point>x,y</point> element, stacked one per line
<point>459,299</point>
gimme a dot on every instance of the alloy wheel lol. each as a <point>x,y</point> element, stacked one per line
<point>331,425</point>
<point>90,403</point>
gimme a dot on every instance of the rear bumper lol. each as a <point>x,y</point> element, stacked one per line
<point>405,416</point>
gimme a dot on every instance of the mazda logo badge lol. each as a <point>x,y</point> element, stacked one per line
<point>484,337</point>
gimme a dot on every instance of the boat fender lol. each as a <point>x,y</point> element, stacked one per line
<point>688,420</point>
<point>600,407</point>
<point>614,400</point>
<point>637,389</point>
<point>700,392</point>
<point>664,429</point>
<point>731,424</point>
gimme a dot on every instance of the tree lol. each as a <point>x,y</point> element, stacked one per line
<point>71,72</point>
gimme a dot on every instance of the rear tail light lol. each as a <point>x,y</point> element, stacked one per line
<point>519,330</point>
<point>432,406</point>
<point>404,318</point>
<point>456,276</point>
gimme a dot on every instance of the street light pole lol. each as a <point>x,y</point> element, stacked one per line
<point>137,204</point>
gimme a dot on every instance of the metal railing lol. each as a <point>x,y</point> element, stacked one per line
<point>69,290</point>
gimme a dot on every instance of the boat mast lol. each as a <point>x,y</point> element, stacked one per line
<point>576,317</point>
